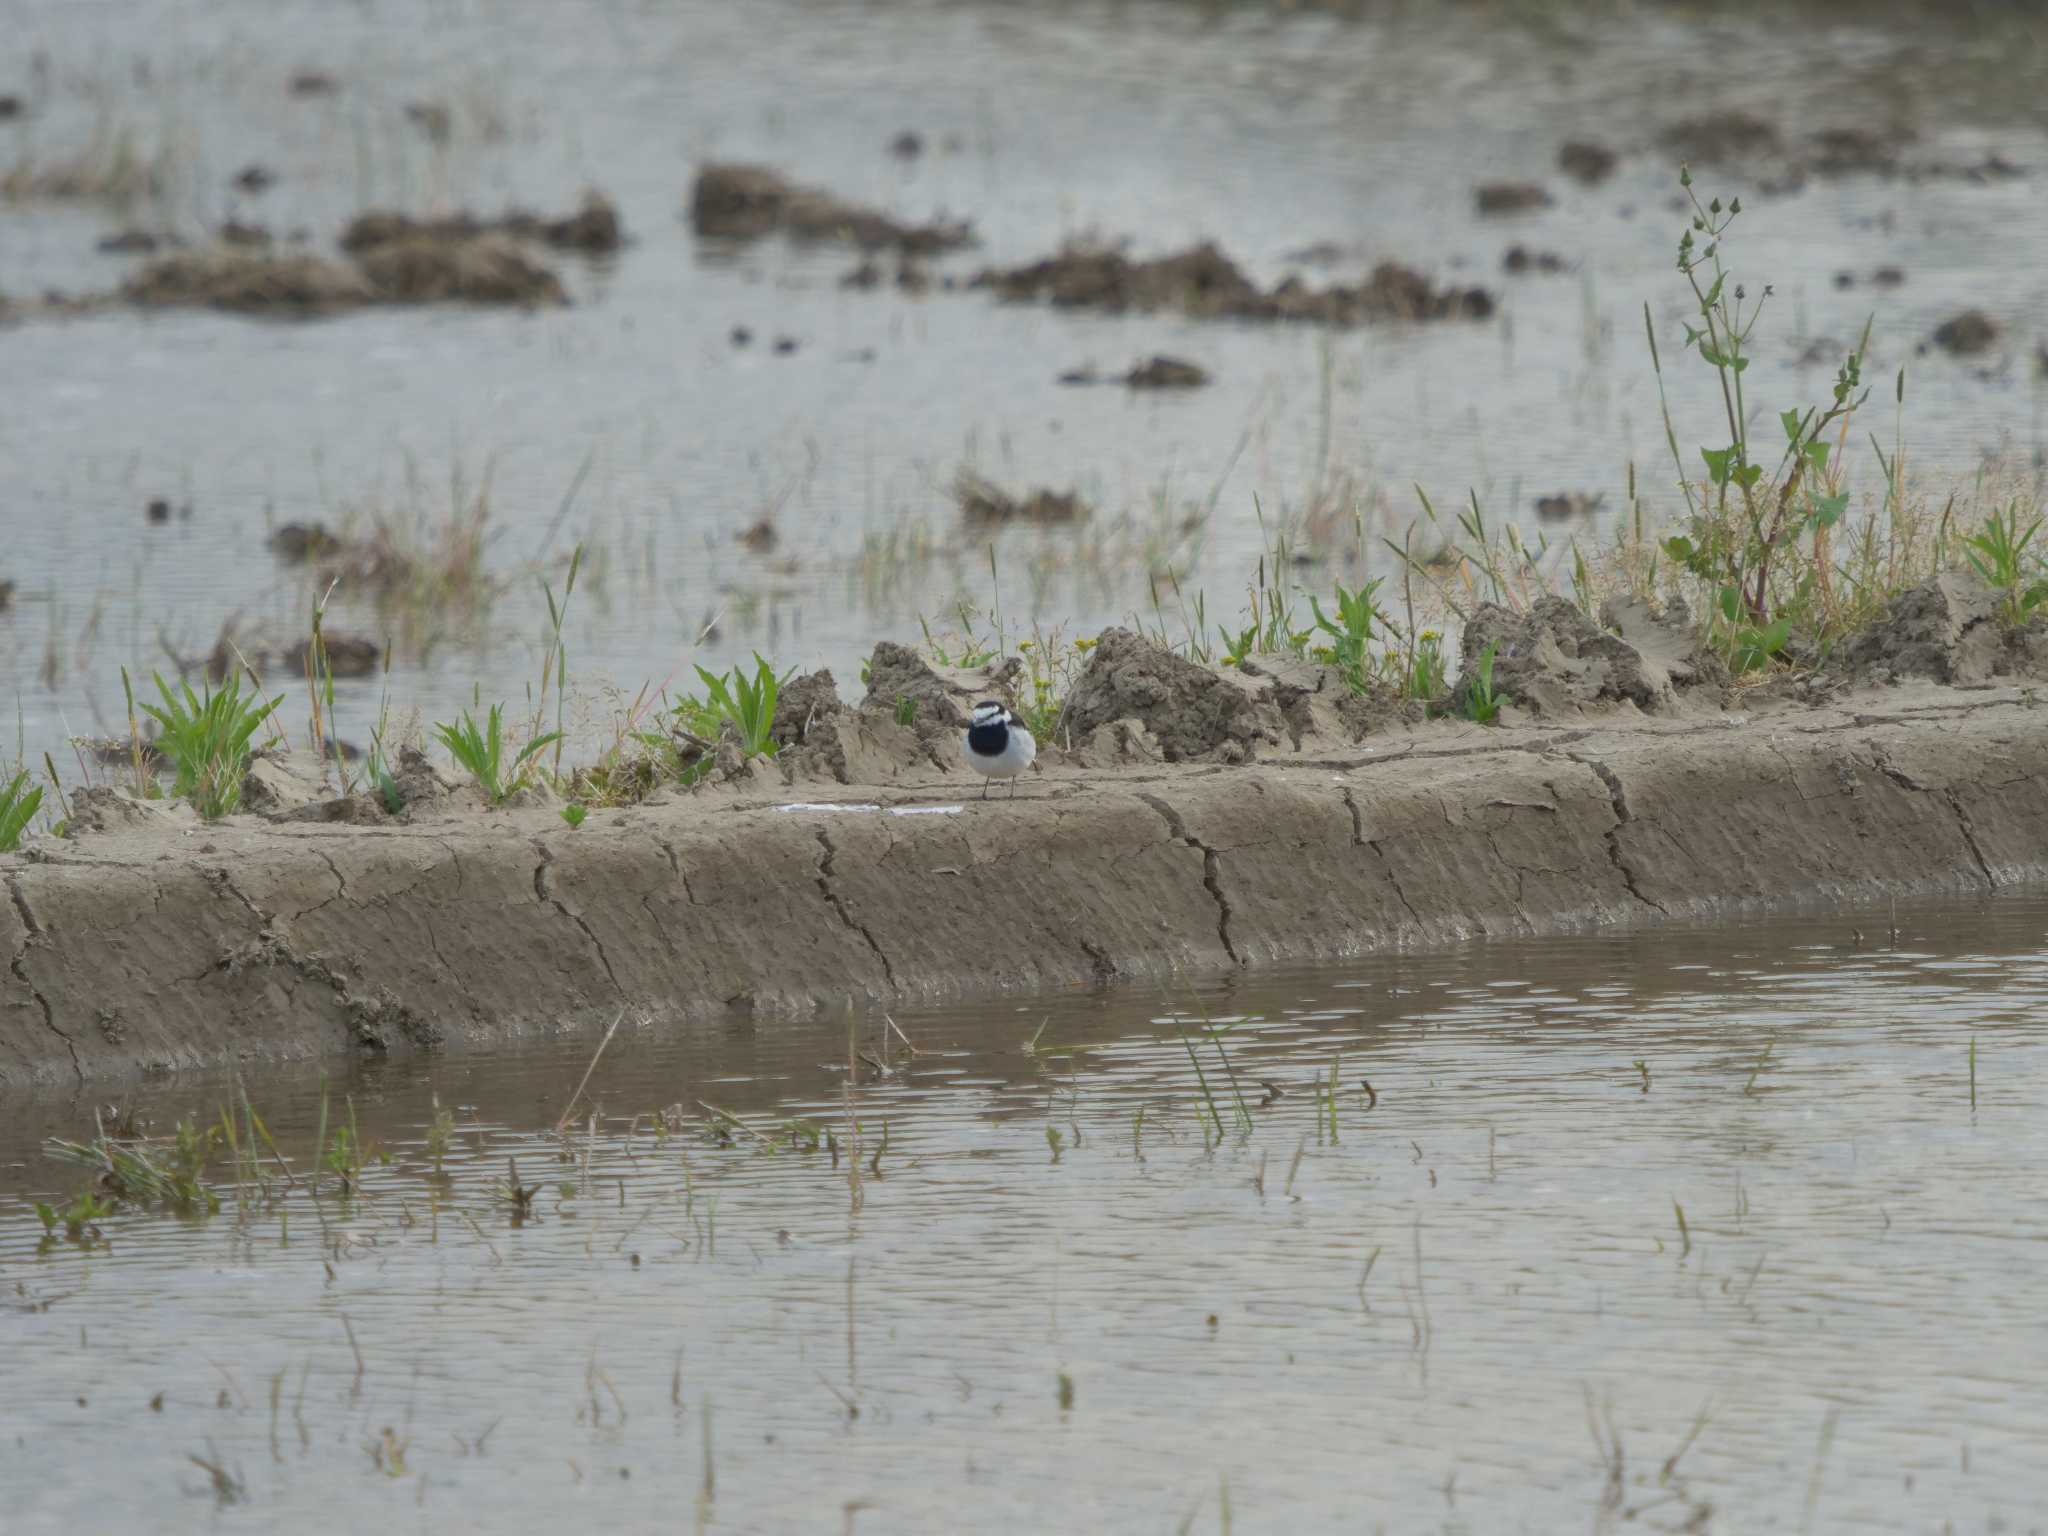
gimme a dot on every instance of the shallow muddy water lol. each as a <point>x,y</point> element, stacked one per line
<point>1163,123</point>
<point>1470,1303</point>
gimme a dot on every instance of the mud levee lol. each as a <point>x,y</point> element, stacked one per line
<point>138,952</point>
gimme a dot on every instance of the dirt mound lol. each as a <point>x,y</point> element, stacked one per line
<point>1586,163</point>
<point>593,229</point>
<point>1553,660</point>
<point>1723,137</point>
<point>1499,197</point>
<point>984,504</point>
<point>804,704</point>
<point>1163,372</point>
<point>278,655</point>
<point>1945,629</point>
<point>1319,706</point>
<point>1190,711</point>
<point>1966,334</point>
<point>490,269</point>
<point>745,202</point>
<point>896,674</point>
<point>1205,283</point>
<point>250,280</point>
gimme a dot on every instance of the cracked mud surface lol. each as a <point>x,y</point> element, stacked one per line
<point>160,946</point>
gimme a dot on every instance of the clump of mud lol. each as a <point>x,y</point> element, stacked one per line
<point>1188,710</point>
<point>490,269</point>
<point>1586,163</point>
<point>1945,629</point>
<point>1553,660</point>
<point>803,705</point>
<point>272,652</point>
<point>984,504</point>
<point>1520,260</point>
<point>487,270</point>
<point>1163,372</point>
<point>1319,706</point>
<point>1204,283</point>
<point>250,281</point>
<point>1966,334</point>
<point>1723,138</point>
<point>746,202</point>
<point>1502,197</point>
<point>593,229</point>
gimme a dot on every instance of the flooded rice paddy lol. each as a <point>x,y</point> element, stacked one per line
<point>1688,1230</point>
<point>632,422</point>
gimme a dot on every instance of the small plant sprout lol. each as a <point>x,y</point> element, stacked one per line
<point>748,702</point>
<point>1481,704</point>
<point>206,738</point>
<point>574,813</point>
<point>19,802</point>
<point>481,751</point>
<point>1999,555</point>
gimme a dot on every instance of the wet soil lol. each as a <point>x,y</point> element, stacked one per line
<point>1204,283</point>
<point>746,202</point>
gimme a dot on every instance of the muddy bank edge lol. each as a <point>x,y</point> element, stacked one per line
<point>146,951</point>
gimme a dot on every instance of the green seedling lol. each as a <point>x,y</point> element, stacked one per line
<point>748,702</point>
<point>206,739</point>
<point>1999,555</point>
<point>19,802</point>
<point>481,751</point>
<point>574,813</point>
<point>1481,703</point>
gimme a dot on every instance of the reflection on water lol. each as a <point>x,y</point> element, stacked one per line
<point>1164,124</point>
<point>1465,1299</point>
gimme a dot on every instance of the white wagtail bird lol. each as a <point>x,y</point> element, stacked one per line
<point>996,746</point>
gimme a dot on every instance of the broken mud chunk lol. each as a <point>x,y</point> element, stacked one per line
<point>1722,137</point>
<point>746,202</point>
<point>487,270</point>
<point>1586,162</point>
<point>803,704</point>
<point>1566,505</point>
<point>311,82</point>
<point>1966,334</point>
<point>1500,197</point>
<point>1191,711</point>
<point>129,242</point>
<point>1521,260</point>
<point>1553,660</point>
<point>1205,283</point>
<point>593,229</point>
<point>1163,372</point>
<point>1945,629</point>
<point>1849,151</point>
<point>302,541</point>
<point>984,504</point>
<point>270,649</point>
<point>249,281</point>
<point>255,179</point>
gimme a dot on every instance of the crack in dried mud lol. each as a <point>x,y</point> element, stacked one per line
<point>838,903</point>
<point>1212,872</point>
